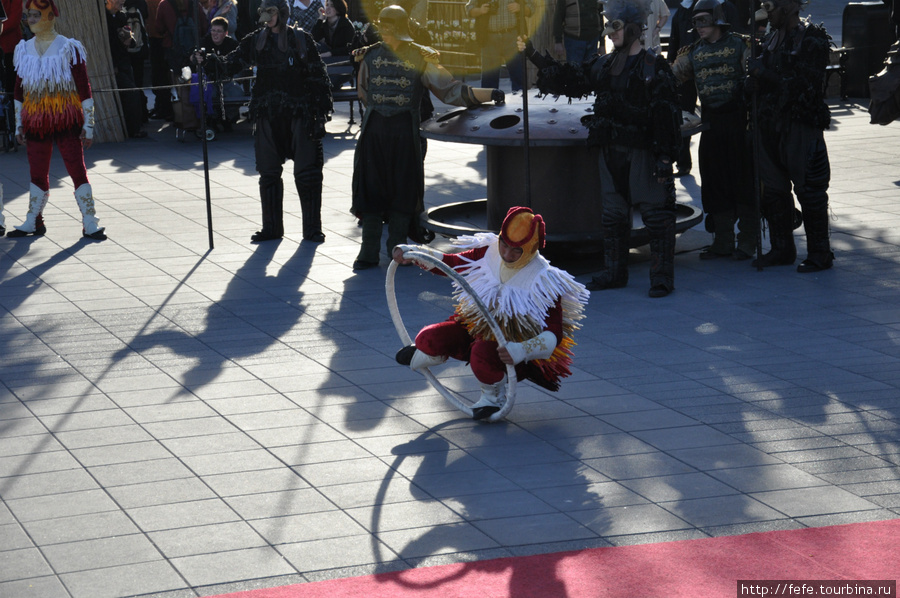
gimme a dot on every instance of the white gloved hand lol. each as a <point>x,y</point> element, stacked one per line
<point>18,106</point>
<point>87,106</point>
<point>421,249</point>
<point>537,347</point>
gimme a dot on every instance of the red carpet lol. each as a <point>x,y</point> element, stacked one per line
<point>695,568</point>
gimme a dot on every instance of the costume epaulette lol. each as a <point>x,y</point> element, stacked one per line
<point>685,50</point>
<point>431,55</point>
<point>359,53</point>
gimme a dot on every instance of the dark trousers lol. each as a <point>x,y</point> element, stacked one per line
<point>159,75</point>
<point>131,100</point>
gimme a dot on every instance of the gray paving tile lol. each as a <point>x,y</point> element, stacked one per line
<point>642,465</point>
<point>40,484</point>
<point>441,539</point>
<point>679,487</point>
<point>820,500</point>
<point>207,539</point>
<point>276,504</point>
<point>32,463</point>
<point>534,529</point>
<point>332,553</point>
<point>24,563</point>
<point>14,537</point>
<point>148,577</point>
<point>629,519</point>
<point>308,526</point>
<point>60,505</point>
<point>182,514</point>
<point>237,565</point>
<point>160,493</point>
<point>35,587</point>
<point>721,510</point>
<point>80,527</point>
<point>100,553</point>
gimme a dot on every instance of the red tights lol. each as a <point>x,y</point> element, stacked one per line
<point>452,339</point>
<point>40,151</point>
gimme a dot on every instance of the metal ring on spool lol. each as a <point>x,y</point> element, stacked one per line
<point>454,399</point>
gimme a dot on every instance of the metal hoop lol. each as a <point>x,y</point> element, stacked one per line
<point>454,399</point>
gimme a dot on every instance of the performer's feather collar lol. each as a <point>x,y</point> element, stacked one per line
<point>532,291</point>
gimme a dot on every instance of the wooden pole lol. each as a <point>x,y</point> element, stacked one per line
<point>85,20</point>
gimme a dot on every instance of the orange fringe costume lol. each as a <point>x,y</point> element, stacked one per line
<point>54,106</point>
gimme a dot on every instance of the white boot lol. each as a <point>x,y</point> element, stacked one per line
<point>490,401</point>
<point>416,360</point>
<point>37,200</point>
<point>85,197</point>
<point>421,360</point>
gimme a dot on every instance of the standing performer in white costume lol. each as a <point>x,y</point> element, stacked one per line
<point>53,105</point>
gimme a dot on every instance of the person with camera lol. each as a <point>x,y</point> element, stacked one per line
<point>120,39</point>
<point>388,174</point>
<point>290,103</point>
<point>500,23</point>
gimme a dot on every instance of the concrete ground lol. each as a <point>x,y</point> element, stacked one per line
<point>178,421</point>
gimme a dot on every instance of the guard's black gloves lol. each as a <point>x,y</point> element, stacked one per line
<point>539,60</point>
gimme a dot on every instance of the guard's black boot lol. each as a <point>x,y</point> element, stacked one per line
<point>819,255</point>
<point>779,214</point>
<point>311,211</point>
<point>615,257</point>
<point>661,226</point>
<point>271,196</point>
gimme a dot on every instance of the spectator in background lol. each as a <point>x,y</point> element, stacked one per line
<point>659,16</point>
<point>498,46</point>
<point>217,41</point>
<point>159,68</point>
<point>175,23</point>
<point>120,40</point>
<point>11,35</point>
<point>333,32</point>
<point>305,14</point>
<point>220,8</point>
<point>137,13</point>
<point>576,29</point>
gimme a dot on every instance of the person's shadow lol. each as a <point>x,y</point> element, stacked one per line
<point>256,309</point>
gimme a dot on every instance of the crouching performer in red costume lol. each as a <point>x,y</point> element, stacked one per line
<point>53,105</point>
<point>537,306</point>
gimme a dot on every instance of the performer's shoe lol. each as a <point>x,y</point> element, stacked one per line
<point>97,235</point>
<point>816,263</point>
<point>659,290</point>
<point>262,236</point>
<point>404,356</point>
<point>318,237</point>
<point>489,402</point>
<point>682,172</point>
<point>364,265</point>
<point>16,233</point>
<point>2,230</point>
